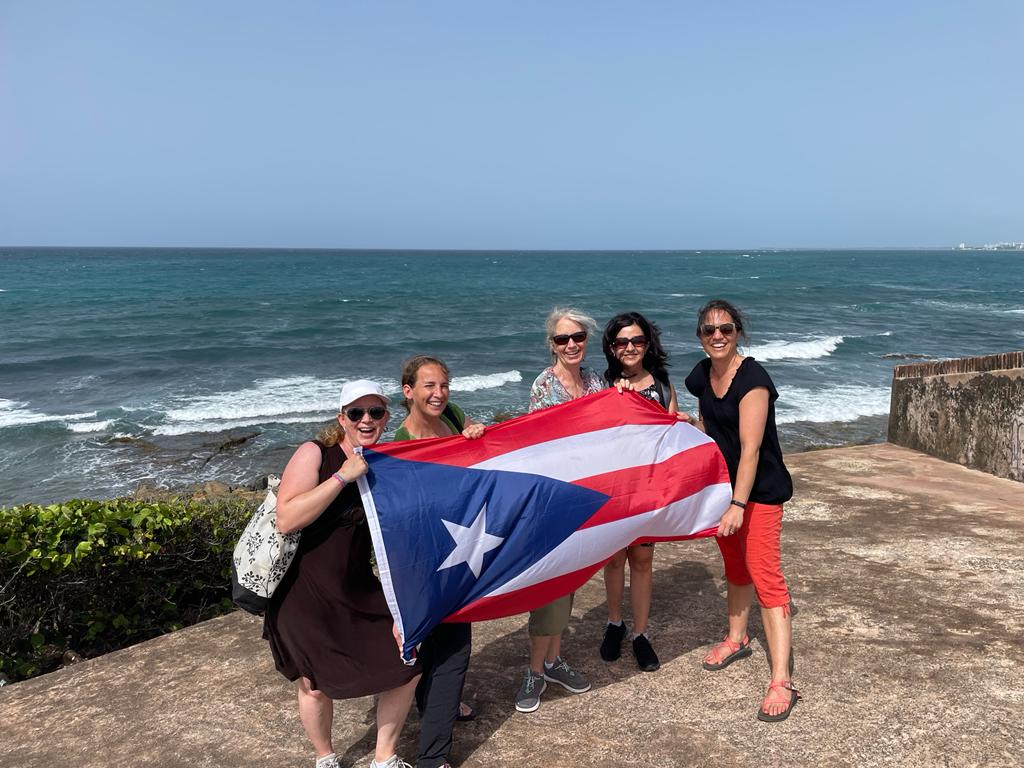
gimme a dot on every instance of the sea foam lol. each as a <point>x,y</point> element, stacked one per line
<point>843,402</point>
<point>14,414</point>
<point>796,350</point>
<point>267,400</point>
<point>90,426</point>
<point>484,381</point>
<point>289,400</point>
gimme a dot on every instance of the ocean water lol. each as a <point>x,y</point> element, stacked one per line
<point>119,366</point>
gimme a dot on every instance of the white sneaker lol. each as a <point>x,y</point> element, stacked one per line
<point>392,762</point>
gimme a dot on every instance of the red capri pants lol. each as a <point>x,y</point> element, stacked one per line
<point>752,555</point>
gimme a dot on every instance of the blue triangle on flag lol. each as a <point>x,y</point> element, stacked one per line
<point>532,514</point>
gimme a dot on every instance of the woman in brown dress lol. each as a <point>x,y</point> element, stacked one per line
<point>328,623</point>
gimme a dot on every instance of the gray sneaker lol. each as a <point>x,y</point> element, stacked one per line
<point>566,676</point>
<point>528,698</point>
<point>392,762</point>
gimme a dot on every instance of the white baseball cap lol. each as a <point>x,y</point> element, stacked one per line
<point>353,390</point>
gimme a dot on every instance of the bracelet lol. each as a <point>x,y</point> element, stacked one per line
<point>340,479</point>
<point>739,504</point>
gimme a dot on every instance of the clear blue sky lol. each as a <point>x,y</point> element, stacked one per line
<point>511,125</point>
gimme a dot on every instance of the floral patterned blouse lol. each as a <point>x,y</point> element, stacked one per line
<point>547,390</point>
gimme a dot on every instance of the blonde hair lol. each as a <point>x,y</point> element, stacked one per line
<point>331,434</point>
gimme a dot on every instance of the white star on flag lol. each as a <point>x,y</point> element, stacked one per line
<point>471,544</point>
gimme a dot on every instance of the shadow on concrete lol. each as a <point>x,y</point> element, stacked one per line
<point>682,591</point>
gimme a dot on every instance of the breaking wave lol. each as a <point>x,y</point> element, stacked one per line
<point>796,350</point>
<point>844,402</point>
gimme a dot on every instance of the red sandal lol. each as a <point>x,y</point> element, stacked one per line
<point>794,697</point>
<point>736,650</point>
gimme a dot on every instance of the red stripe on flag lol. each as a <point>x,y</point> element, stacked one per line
<point>653,486</point>
<point>536,595</point>
<point>566,420</point>
<point>525,599</point>
<point>706,533</point>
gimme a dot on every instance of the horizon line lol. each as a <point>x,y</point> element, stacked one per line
<point>507,250</point>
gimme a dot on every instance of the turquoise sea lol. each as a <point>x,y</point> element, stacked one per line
<point>119,366</point>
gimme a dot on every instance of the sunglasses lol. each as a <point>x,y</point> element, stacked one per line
<point>563,338</point>
<point>621,342</point>
<point>727,329</point>
<point>377,412</point>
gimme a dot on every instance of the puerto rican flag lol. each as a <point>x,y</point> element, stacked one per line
<point>470,530</point>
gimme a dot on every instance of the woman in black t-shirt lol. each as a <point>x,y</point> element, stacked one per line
<point>737,410</point>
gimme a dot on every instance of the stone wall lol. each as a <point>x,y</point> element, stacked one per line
<point>970,411</point>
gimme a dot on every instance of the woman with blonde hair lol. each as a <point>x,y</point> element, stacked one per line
<point>328,623</point>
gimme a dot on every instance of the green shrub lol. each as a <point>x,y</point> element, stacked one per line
<point>94,576</point>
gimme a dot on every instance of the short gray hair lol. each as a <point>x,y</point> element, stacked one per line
<point>579,317</point>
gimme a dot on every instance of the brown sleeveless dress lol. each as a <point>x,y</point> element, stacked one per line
<point>328,620</point>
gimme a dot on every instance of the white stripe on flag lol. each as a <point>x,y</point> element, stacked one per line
<point>587,546</point>
<point>604,450</point>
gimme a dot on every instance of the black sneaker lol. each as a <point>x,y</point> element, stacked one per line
<point>611,646</point>
<point>645,655</point>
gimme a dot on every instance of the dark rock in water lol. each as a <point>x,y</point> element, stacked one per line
<point>231,441</point>
<point>904,356</point>
<point>143,445</point>
<point>227,445</point>
<point>505,416</point>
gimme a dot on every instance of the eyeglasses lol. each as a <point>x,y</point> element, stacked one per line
<point>727,329</point>
<point>563,338</point>
<point>377,412</point>
<point>621,342</point>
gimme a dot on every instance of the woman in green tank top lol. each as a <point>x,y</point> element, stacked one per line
<point>444,655</point>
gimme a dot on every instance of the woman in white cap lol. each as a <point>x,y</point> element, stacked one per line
<point>328,623</point>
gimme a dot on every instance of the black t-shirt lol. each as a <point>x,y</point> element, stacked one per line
<point>772,483</point>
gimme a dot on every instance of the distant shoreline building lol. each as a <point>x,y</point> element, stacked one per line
<point>1012,246</point>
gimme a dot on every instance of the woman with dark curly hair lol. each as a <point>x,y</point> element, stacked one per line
<point>636,361</point>
<point>737,410</point>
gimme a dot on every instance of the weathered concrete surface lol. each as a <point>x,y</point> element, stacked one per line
<point>970,411</point>
<point>907,573</point>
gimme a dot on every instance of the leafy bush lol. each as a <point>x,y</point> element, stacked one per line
<point>95,576</point>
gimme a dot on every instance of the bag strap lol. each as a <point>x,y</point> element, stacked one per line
<point>449,413</point>
<point>659,387</point>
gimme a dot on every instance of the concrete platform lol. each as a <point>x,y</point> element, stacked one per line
<point>908,577</point>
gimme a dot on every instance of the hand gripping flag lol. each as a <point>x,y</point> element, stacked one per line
<point>469,530</point>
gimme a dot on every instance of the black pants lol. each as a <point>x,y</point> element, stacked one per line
<point>444,656</point>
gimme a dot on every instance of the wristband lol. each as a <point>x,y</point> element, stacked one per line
<point>739,504</point>
<point>340,479</point>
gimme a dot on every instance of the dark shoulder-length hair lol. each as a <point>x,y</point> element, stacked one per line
<point>655,358</point>
<point>739,318</point>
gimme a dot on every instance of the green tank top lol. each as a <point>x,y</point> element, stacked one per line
<point>452,416</point>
